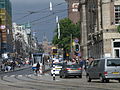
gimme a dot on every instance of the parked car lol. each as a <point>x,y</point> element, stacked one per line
<point>71,70</point>
<point>57,67</point>
<point>104,69</point>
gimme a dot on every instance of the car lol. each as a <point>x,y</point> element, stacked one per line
<point>104,69</point>
<point>71,70</point>
<point>57,68</point>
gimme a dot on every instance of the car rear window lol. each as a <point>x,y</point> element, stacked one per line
<point>58,64</point>
<point>113,62</point>
<point>72,66</point>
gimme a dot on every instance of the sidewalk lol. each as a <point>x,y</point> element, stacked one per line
<point>17,69</point>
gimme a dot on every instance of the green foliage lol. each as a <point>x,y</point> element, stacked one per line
<point>67,28</point>
<point>118,28</point>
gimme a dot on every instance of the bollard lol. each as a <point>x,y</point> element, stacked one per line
<point>53,72</point>
<point>41,69</point>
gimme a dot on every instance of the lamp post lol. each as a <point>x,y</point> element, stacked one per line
<point>30,42</point>
<point>0,36</point>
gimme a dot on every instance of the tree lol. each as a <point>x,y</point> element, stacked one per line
<point>66,29</point>
<point>118,28</point>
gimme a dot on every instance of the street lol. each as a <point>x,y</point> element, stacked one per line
<point>26,80</point>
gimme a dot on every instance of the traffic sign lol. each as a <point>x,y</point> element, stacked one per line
<point>76,40</point>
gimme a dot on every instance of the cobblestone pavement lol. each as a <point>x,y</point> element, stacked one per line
<point>46,82</point>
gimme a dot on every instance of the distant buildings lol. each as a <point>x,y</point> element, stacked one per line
<point>25,42</point>
<point>6,39</point>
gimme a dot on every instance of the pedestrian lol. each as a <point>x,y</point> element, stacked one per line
<point>13,65</point>
<point>37,68</point>
<point>81,62</point>
<point>2,67</point>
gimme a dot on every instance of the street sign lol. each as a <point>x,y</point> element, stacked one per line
<point>76,40</point>
<point>2,27</point>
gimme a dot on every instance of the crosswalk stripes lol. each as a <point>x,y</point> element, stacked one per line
<point>27,75</point>
<point>20,75</point>
<point>12,76</point>
<point>6,76</point>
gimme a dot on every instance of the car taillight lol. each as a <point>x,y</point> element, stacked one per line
<point>68,68</point>
<point>79,68</point>
<point>105,73</point>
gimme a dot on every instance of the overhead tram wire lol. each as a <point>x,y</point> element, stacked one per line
<point>45,21</point>
<point>48,15</point>
<point>34,12</point>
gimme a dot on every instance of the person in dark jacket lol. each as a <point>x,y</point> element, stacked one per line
<point>37,68</point>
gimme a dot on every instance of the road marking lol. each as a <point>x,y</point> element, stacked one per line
<point>20,75</point>
<point>47,74</point>
<point>6,76</point>
<point>29,75</point>
<point>12,76</point>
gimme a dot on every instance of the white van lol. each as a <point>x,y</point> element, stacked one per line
<point>104,69</point>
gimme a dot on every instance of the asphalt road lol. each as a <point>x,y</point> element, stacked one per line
<point>27,80</point>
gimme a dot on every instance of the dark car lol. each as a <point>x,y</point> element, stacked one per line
<point>71,70</point>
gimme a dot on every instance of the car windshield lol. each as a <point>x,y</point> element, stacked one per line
<point>113,62</point>
<point>73,66</point>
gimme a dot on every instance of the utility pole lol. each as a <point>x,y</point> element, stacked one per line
<point>0,35</point>
<point>58,26</point>
<point>71,47</point>
<point>82,8</point>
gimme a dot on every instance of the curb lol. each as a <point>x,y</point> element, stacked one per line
<point>17,69</point>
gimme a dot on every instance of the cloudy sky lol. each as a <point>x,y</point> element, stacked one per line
<point>37,12</point>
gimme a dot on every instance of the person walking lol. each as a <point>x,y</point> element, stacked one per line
<point>37,68</point>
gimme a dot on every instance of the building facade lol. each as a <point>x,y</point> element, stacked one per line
<point>25,42</point>
<point>6,27</point>
<point>102,19</point>
<point>77,12</point>
<point>73,12</point>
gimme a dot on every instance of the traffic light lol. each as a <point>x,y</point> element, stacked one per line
<point>54,50</point>
<point>77,47</point>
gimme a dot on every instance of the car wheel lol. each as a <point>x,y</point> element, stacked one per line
<point>80,76</point>
<point>101,79</point>
<point>64,76</point>
<point>119,80</point>
<point>107,80</point>
<point>88,78</point>
<point>60,76</point>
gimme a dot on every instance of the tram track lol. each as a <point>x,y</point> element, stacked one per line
<point>32,83</point>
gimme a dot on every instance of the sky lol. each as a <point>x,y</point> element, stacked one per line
<point>37,12</point>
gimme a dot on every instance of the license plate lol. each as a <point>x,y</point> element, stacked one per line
<point>115,73</point>
<point>58,68</point>
<point>74,70</point>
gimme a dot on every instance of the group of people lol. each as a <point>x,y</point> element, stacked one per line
<point>10,64</point>
<point>82,62</point>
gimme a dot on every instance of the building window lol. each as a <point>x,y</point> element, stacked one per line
<point>116,44</point>
<point>117,14</point>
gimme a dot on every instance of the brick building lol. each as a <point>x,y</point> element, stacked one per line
<point>73,13</point>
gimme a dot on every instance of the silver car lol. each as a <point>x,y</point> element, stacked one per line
<point>71,70</point>
<point>104,69</point>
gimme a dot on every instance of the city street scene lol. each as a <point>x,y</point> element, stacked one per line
<point>59,44</point>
